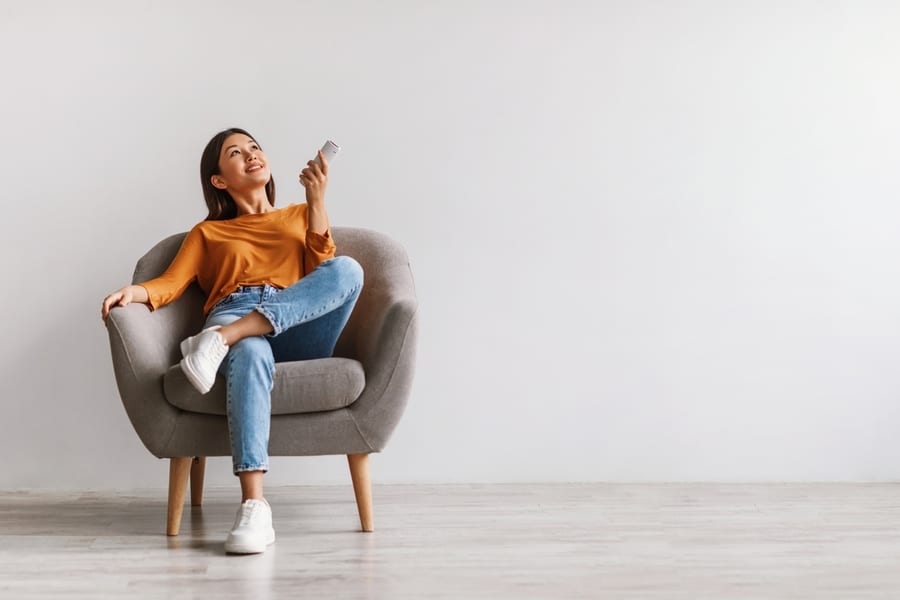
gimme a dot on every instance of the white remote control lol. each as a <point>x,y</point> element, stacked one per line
<point>329,150</point>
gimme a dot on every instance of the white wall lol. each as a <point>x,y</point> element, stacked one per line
<point>652,240</point>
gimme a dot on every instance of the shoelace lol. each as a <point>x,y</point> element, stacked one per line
<point>217,350</point>
<point>220,349</point>
<point>247,512</point>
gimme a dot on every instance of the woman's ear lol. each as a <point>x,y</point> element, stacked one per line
<point>218,182</point>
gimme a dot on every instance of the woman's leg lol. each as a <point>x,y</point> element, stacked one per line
<point>331,285</point>
<point>248,369</point>
<point>251,485</point>
<point>323,299</point>
<point>313,339</point>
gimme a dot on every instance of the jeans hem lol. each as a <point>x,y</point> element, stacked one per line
<point>244,468</point>
<point>276,330</point>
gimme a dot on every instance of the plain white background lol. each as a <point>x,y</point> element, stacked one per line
<point>652,240</point>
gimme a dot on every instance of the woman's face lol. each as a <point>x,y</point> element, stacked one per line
<point>242,164</point>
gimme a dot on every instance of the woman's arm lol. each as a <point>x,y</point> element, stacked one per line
<point>319,245</point>
<point>182,271</point>
<point>315,179</point>
<point>318,218</point>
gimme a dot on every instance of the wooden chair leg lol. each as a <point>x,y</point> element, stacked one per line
<point>362,487</point>
<point>198,468</point>
<point>179,472</point>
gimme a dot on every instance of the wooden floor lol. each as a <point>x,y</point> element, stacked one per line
<point>686,541</point>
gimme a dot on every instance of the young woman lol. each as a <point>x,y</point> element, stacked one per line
<point>275,292</point>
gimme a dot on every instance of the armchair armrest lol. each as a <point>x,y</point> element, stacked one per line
<point>141,350</point>
<point>382,336</point>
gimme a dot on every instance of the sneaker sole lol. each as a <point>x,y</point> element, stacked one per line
<point>236,548</point>
<point>202,386</point>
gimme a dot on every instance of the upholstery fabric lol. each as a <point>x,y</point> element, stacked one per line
<point>300,387</point>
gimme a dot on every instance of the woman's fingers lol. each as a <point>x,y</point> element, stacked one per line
<point>315,174</point>
<point>319,167</point>
<point>107,304</point>
<point>314,169</point>
<point>311,176</point>
<point>115,299</point>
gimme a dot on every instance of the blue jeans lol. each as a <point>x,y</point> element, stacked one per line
<point>307,319</point>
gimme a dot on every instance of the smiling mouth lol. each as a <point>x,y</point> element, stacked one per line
<point>253,168</point>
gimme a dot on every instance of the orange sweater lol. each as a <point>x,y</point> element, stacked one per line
<point>274,248</point>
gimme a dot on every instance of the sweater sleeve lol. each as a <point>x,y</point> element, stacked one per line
<point>319,248</point>
<point>183,271</point>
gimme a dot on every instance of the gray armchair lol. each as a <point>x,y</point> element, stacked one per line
<point>348,404</point>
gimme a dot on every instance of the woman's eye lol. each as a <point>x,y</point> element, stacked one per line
<point>233,152</point>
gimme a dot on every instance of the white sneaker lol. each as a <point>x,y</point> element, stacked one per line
<point>207,349</point>
<point>189,344</point>
<point>252,530</point>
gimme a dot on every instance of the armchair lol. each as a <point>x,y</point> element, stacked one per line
<point>348,404</point>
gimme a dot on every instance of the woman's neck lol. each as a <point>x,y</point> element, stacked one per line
<point>252,202</point>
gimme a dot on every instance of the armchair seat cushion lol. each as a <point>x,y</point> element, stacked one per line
<point>300,387</point>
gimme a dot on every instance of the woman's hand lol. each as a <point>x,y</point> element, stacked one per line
<point>315,179</point>
<point>123,297</point>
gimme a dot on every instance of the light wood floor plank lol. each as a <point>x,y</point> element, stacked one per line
<point>654,541</point>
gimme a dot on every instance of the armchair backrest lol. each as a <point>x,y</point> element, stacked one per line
<point>384,261</point>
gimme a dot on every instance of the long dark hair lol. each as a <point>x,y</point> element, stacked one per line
<point>220,203</point>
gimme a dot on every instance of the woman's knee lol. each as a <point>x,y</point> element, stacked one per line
<point>252,354</point>
<point>348,270</point>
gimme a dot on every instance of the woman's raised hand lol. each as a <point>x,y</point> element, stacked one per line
<point>315,179</point>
